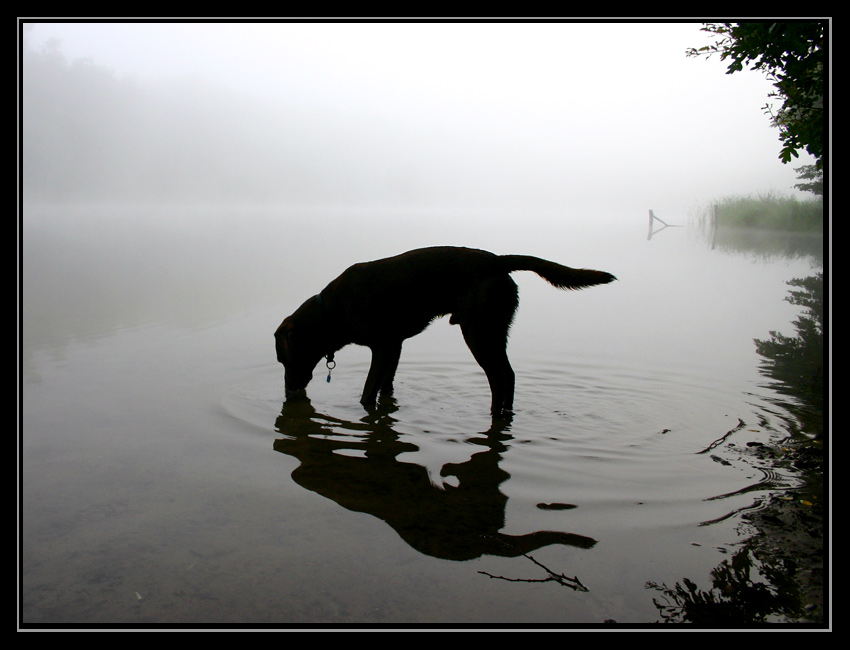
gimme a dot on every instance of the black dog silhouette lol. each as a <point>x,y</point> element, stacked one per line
<point>380,304</point>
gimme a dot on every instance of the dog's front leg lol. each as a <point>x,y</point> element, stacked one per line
<point>381,373</point>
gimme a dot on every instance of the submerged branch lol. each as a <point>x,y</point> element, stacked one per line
<point>720,440</point>
<point>573,583</point>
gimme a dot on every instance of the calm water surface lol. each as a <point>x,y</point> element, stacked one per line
<point>166,482</point>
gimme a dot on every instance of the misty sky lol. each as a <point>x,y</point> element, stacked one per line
<point>602,112</point>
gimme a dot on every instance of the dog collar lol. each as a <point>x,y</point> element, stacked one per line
<point>330,364</point>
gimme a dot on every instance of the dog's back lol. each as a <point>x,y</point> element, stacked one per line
<point>441,275</point>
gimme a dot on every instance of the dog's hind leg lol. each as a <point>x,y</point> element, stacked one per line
<point>381,373</point>
<point>485,316</point>
<point>489,349</point>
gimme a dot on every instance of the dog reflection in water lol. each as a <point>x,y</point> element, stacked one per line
<point>355,464</point>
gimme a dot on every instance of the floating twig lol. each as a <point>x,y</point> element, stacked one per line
<point>720,440</point>
<point>573,583</point>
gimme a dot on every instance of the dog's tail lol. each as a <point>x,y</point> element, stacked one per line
<point>557,275</point>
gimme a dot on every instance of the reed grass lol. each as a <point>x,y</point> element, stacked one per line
<point>768,211</point>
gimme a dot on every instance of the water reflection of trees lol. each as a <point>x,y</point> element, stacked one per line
<point>776,575</point>
<point>795,363</point>
<point>738,596</point>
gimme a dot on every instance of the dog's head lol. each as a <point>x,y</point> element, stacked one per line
<point>300,346</point>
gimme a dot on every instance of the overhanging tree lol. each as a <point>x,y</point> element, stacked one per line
<point>791,55</point>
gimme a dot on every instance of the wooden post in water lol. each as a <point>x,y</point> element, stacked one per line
<point>653,218</point>
<point>714,226</point>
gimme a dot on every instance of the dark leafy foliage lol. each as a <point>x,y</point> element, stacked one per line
<point>791,55</point>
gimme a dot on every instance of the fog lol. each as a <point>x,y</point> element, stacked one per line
<point>187,185</point>
<point>599,119</point>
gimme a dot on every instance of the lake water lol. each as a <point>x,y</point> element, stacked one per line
<point>165,482</point>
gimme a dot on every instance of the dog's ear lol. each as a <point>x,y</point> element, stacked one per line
<point>285,330</point>
<point>283,340</point>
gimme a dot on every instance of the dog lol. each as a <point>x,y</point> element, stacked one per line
<point>381,303</point>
